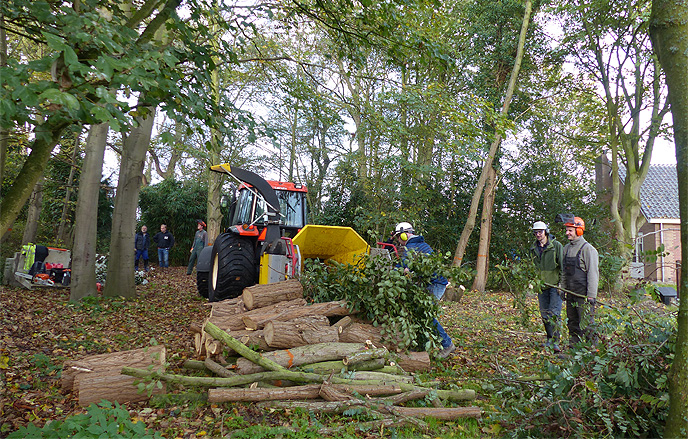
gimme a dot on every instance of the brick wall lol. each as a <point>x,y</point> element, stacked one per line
<point>662,272</point>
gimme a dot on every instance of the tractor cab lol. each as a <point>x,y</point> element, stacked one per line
<point>251,209</point>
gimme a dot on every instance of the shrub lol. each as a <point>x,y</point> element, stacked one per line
<point>619,390</point>
<point>102,420</point>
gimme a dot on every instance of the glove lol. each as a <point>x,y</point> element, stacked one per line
<point>562,294</point>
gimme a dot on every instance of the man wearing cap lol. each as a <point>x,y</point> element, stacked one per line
<point>547,254</point>
<point>403,235</point>
<point>200,241</point>
<point>580,276</point>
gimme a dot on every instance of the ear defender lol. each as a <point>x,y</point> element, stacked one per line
<point>404,237</point>
<point>579,231</point>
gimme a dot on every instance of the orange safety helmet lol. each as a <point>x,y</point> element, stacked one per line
<point>579,224</point>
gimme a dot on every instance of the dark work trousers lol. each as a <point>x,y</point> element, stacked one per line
<point>580,321</point>
<point>192,260</point>
<point>550,312</point>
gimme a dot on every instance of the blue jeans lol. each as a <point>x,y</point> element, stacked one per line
<point>163,257</point>
<point>437,290</point>
<point>550,311</point>
<point>141,254</point>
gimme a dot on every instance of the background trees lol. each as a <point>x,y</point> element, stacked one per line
<point>384,110</point>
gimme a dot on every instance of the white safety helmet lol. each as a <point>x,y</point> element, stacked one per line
<point>403,228</point>
<point>539,225</point>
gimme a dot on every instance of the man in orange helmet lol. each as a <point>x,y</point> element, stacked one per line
<point>580,276</point>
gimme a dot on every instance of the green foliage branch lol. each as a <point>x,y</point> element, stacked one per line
<point>520,278</point>
<point>102,420</point>
<point>384,294</point>
<point>618,389</point>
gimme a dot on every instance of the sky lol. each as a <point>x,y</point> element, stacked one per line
<point>663,153</point>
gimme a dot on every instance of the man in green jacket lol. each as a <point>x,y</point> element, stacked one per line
<point>547,254</point>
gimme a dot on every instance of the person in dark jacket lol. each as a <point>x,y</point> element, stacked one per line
<point>200,241</point>
<point>580,276</point>
<point>164,240</point>
<point>403,234</point>
<point>141,244</point>
<point>547,254</point>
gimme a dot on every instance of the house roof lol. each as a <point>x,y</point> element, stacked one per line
<point>659,192</point>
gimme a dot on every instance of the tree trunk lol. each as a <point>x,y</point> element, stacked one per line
<point>336,366</point>
<point>291,334</point>
<point>61,230</point>
<point>214,220</point>
<point>175,154</point>
<point>85,224</point>
<point>110,364</point>
<point>4,133</point>
<point>120,272</point>
<point>669,32</point>
<point>366,355</point>
<point>114,388</point>
<point>482,265</point>
<point>414,361</point>
<point>99,376</point>
<point>239,322</point>
<point>315,353</point>
<point>227,308</point>
<point>35,204</point>
<point>308,391</point>
<point>473,210</point>
<point>258,321</point>
<point>239,348</point>
<point>259,296</point>
<point>360,333</point>
<point>443,414</point>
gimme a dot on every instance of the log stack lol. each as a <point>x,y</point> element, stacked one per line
<point>321,356</point>
<point>276,316</point>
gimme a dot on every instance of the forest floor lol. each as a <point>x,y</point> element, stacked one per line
<point>40,329</point>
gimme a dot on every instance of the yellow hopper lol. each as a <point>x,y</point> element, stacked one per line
<point>341,244</point>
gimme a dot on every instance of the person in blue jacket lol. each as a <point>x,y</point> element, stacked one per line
<point>403,235</point>
<point>141,244</point>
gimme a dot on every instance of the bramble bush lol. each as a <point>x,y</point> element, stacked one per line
<point>617,389</point>
<point>396,301</point>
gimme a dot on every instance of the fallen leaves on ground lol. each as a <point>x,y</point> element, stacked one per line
<point>40,329</point>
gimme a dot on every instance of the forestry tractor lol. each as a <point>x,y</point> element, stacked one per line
<point>268,238</point>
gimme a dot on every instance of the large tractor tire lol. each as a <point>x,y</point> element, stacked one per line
<point>202,283</point>
<point>233,267</point>
<point>203,271</point>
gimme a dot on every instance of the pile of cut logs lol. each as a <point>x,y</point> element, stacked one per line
<point>276,316</point>
<point>319,356</point>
